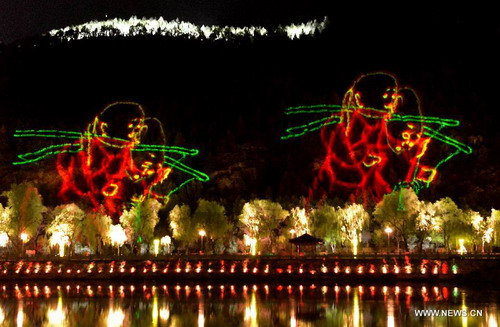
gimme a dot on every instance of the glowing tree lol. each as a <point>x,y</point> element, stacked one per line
<point>117,236</point>
<point>121,156</point>
<point>182,225</point>
<point>23,215</point>
<point>166,242</point>
<point>139,222</point>
<point>325,224</point>
<point>352,219</point>
<point>451,222</point>
<point>427,224</point>
<point>71,225</point>
<point>94,230</point>
<point>67,224</point>
<point>376,140</point>
<point>251,225</point>
<point>398,210</point>
<point>211,217</point>
<point>4,238</point>
<point>261,220</point>
<point>495,217</point>
<point>5,214</point>
<point>300,221</point>
<point>483,227</point>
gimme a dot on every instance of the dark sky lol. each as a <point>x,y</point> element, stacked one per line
<point>385,23</point>
<point>449,54</point>
<point>23,18</point>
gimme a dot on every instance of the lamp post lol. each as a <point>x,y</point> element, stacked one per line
<point>292,232</point>
<point>202,233</point>
<point>388,230</point>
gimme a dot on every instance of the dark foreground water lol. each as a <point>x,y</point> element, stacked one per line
<point>159,304</point>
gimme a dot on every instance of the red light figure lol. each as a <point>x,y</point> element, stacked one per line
<point>363,146</point>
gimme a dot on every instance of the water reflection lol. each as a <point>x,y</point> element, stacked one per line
<point>115,317</point>
<point>20,314</point>
<point>100,304</point>
<point>57,316</point>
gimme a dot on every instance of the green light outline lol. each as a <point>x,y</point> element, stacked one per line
<point>52,133</point>
<point>49,153</point>
<point>198,175</point>
<point>427,131</point>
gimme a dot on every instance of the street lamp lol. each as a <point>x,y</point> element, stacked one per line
<point>202,233</point>
<point>388,230</point>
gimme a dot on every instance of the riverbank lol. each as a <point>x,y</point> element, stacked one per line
<point>384,268</point>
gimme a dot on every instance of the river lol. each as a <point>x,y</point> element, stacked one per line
<point>163,304</point>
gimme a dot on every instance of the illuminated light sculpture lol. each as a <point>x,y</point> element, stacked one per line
<point>24,237</point>
<point>156,244</point>
<point>388,230</point>
<point>4,239</point>
<point>117,236</point>
<point>202,234</point>
<point>461,247</point>
<point>166,241</point>
<point>121,156</point>
<point>60,238</point>
<point>377,140</point>
<point>252,243</point>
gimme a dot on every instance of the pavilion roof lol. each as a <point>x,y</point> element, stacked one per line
<point>306,239</point>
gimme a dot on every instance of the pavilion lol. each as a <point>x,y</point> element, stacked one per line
<point>306,243</point>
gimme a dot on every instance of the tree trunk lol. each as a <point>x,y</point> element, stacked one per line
<point>420,245</point>
<point>405,242</point>
<point>271,239</point>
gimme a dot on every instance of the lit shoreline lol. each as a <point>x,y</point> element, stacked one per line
<point>234,267</point>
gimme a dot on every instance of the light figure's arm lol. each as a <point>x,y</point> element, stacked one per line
<point>334,117</point>
<point>196,175</point>
<point>52,150</point>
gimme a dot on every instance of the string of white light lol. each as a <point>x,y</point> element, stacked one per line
<point>177,28</point>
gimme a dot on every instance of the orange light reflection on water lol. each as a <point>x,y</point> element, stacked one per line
<point>164,296</point>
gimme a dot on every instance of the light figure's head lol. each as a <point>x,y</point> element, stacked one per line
<point>119,124</point>
<point>376,93</point>
<point>151,163</point>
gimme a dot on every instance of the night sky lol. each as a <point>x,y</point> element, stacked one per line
<point>20,19</point>
<point>227,98</point>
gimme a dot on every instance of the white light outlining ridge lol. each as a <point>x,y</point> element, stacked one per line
<point>137,27</point>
